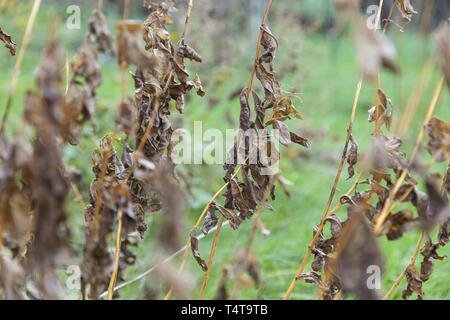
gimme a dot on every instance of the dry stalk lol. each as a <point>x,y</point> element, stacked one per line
<point>211,257</point>
<point>389,202</point>
<point>402,275</point>
<point>18,66</point>
<point>330,198</point>
<point>249,88</point>
<point>115,272</point>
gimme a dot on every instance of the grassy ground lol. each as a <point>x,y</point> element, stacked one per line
<point>326,76</point>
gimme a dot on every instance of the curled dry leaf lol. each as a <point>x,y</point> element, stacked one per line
<point>438,210</point>
<point>352,157</point>
<point>444,233</point>
<point>210,220</point>
<point>385,154</point>
<point>131,49</point>
<point>358,250</point>
<point>406,9</point>
<point>382,112</point>
<point>414,284</point>
<point>429,253</point>
<point>222,290</point>
<point>8,42</point>
<point>439,144</point>
<point>374,51</point>
<point>99,32</point>
<point>399,223</point>
<point>228,214</point>
<point>86,77</point>
<point>196,252</point>
<point>446,181</point>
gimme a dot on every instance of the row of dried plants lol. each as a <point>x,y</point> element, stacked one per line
<point>135,176</point>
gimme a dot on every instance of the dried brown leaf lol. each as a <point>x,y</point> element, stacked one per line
<point>8,42</point>
<point>406,9</point>
<point>196,252</point>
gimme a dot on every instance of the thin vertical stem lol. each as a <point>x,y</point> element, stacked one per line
<point>402,275</point>
<point>331,196</point>
<point>115,272</point>
<point>211,257</point>
<point>387,205</point>
<point>186,21</point>
<point>22,51</point>
<point>258,46</point>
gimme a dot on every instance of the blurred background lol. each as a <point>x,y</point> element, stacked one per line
<point>316,63</point>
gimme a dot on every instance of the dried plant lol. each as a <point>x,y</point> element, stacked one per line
<point>9,43</point>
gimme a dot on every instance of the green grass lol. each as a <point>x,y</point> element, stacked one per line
<point>326,79</point>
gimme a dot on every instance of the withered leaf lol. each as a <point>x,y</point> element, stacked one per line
<point>270,45</point>
<point>406,9</point>
<point>444,233</point>
<point>438,208</point>
<point>385,154</point>
<point>414,284</point>
<point>399,223</point>
<point>446,181</point>
<point>284,109</point>
<point>282,132</point>
<point>254,270</point>
<point>374,52</point>
<point>244,117</point>
<point>439,144</point>
<point>8,42</point>
<point>99,32</point>
<point>429,253</point>
<point>248,191</point>
<point>210,220</point>
<point>352,157</point>
<point>131,49</point>
<point>196,252</point>
<point>358,251</point>
<point>239,200</point>
<point>382,112</point>
<point>228,214</point>
<point>312,277</point>
<point>186,51</point>
<point>335,225</point>
<point>222,290</point>
<point>299,140</point>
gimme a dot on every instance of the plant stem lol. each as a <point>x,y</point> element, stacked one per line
<point>160,264</point>
<point>197,224</point>
<point>18,66</point>
<point>113,280</point>
<point>331,196</point>
<point>186,21</point>
<point>387,205</point>
<point>402,275</point>
<point>258,46</point>
<point>211,257</point>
